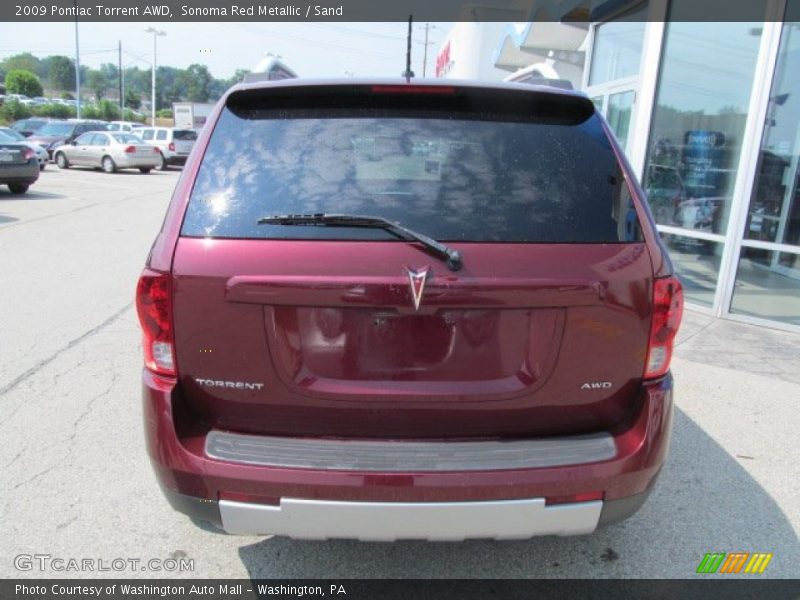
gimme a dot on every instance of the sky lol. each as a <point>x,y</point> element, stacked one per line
<point>311,49</point>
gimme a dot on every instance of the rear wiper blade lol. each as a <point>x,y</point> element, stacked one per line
<point>451,257</point>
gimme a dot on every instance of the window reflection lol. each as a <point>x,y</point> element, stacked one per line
<point>698,122</point>
<point>774,214</point>
<point>768,285</point>
<point>696,262</point>
<point>618,48</point>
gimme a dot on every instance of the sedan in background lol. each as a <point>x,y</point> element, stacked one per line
<point>108,150</point>
<point>18,166</point>
<point>56,133</point>
<point>8,135</point>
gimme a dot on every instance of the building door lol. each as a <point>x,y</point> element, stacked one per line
<point>616,103</point>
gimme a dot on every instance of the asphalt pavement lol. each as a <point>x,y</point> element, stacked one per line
<point>75,481</point>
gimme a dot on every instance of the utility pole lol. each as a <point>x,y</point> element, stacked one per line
<point>428,27</point>
<point>155,33</point>
<point>121,97</point>
<point>425,52</point>
<point>77,66</point>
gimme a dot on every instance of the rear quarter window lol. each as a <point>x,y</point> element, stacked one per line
<point>470,178</point>
<point>184,135</point>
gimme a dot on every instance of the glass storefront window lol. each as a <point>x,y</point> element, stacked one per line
<point>697,264</point>
<point>698,121</point>
<point>768,280</point>
<point>774,214</point>
<point>620,106</point>
<point>768,285</point>
<point>617,48</point>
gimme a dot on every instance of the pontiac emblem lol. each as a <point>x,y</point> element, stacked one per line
<point>416,281</point>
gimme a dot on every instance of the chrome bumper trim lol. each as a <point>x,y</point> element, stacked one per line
<point>408,456</point>
<point>389,521</point>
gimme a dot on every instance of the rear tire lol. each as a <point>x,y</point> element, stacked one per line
<point>144,170</point>
<point>108,164</point>
<point>61,161</point>
<point>42,166</point>
<point>18,188</point>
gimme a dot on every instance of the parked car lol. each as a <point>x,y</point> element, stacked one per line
<point>58,133</point>
<point>8,135</point>
<point>18,166</point>
<point>427,310</point>
<point>21,98</point>
<point>28,127</point>
<point>110,151</point>
<point>127,126</point>
<point>173,144</point>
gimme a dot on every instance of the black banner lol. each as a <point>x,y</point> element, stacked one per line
<point>394,589</point>
<point>378,10</point>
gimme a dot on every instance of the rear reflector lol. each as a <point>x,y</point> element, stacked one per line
<point>413,89</point>
<point>172,146</point>
<point>154,306</point>
<point>246,497</point>
<point>569,498</point>
<point>667,313</point>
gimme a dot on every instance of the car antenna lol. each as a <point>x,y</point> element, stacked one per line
<point>408,73</point>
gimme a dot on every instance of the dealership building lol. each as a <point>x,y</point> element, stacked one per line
<point>709,116</point>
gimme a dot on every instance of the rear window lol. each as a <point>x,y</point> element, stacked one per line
<point>454,176</point>
<point>126,138</point>
<point>56,129</point>
<point>184,135</point>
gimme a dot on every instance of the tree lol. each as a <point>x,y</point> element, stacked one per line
<point>25,61</point>
<point>132,99</point>
<point>61,73</point>
<point>198,83</point>
<point>19,81</point>
<point>96,82</point>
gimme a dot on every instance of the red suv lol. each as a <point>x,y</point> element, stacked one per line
<point>391,310</point>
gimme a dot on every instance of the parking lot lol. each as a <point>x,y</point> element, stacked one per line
<point>77,483</point>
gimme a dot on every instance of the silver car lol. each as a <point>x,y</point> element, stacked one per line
<point>108,150</point>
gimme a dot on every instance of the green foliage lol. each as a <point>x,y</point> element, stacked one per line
<point>25,62</point>
<point>132,99</point>
<point>60,73</point>
<point>164,113</point>
<point>109,111</point>
<point>13,111</point>
<point>56,111</point>
<point>129,115</point>
<point>19,81</point>
<point>97,83</point>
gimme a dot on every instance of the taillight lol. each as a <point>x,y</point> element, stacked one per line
<point>28,153</point>
<point>172,146</point>
<point>130,150</point>
<point>154,306</point>
<point>667,313</point>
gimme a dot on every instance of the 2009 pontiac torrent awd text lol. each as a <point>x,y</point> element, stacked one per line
<point>407,310</point>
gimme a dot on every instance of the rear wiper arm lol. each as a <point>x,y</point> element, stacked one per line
<point>451,257</point>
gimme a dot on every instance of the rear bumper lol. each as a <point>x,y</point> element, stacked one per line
<point>124,161</point>
<point>325,501</point>
<point>175,159</point>
<point>20,173</point>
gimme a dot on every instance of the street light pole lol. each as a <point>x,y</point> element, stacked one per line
<point>155,33</point>
<point>77,67</point>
